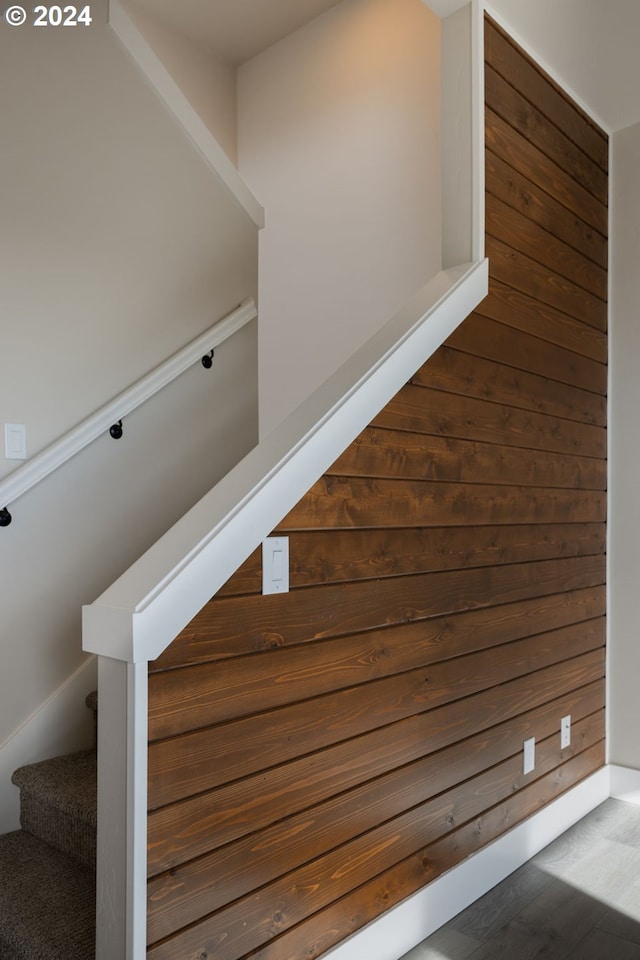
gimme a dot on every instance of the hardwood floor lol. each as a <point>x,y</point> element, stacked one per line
<point>578,899</point>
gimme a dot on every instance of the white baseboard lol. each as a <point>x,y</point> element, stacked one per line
<point>60,725</point>
<point>625,783</point>
<point>405,926</point>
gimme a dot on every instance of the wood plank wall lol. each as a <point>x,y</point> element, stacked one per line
<point>316,757</point>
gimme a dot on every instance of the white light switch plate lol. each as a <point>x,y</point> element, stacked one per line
<point>275,565</point>
<point>15,441</point>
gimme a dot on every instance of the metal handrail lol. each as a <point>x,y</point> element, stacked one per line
<point>108,418</point>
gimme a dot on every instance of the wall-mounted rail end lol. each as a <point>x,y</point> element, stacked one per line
<point>5,517</point>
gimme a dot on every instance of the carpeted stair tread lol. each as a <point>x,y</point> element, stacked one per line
<point>58,801</point>
<point>47,902</point>
<point>68,782</point>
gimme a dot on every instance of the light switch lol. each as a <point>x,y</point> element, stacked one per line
<point>15,441</point>
<point>278,566</point>
<point>275,565</point>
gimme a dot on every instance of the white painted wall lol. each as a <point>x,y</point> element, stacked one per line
<point>624,484</point>
<point>206,81</point>
<point>117,246</point>
<point>339,138</point>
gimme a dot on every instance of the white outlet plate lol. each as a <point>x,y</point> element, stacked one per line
<point>565,732</point>
<point>529,755</point>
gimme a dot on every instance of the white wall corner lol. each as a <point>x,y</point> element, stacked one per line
<point>193,125</point>
<point>463,134</point>
<point>445,8</point>
<point>625,784</point>
<point>477,131</point>
<point>62,724</point>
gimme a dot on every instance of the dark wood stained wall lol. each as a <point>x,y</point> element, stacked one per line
<point>316,757</point>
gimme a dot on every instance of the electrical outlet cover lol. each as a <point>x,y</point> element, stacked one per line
<point>565,732</point>
<point>529,755</point>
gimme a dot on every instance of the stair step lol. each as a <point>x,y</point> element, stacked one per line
<point>47,902</point>
<point>58,801</point>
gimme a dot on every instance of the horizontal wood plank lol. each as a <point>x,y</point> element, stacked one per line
<point>522,116</point>
<point>521,272</point>
<point>194,889</point>
<point>425,410</point>
<point>239,625</point>
<point>537,243</point>
<point>321,556</point>
<point>207,758</point>
<point>533,164</point>
<point>523,313</point>
<point>507,59</point>
<point>511,187</point>
<point>393,454</point>
<point>454,371</point>
<point>197,696</point>
<point>193,827</point>
<point>506,343</point>
<point>270,910</point>
<point>357,502</point>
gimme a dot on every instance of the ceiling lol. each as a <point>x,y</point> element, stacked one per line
<point>236,30</point>
<point>591,46</point>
